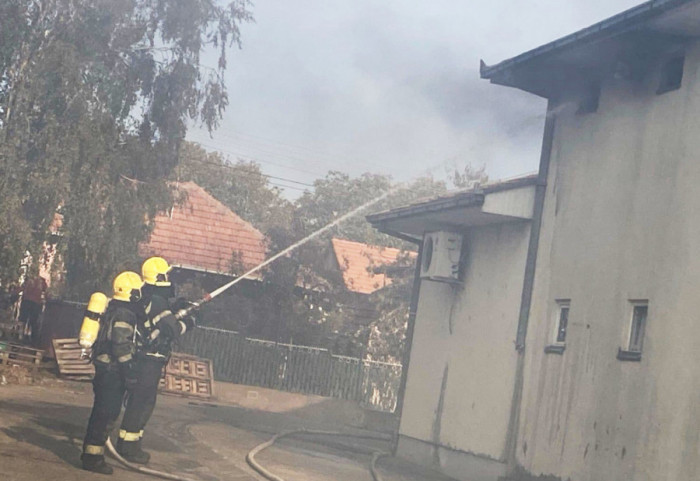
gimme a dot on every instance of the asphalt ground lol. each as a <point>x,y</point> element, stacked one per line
<point>42,426</point>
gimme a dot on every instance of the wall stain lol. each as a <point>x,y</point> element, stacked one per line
<point>437,422</point>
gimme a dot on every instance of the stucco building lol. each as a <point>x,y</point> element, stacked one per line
<point>456,397</point>
<point>605,381</point>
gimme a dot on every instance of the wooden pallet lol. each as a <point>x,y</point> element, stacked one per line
<point>185,386</point>
<point>17,354</point>
<point>70,362</point>
<point>190,366</point>
<point>189,376</point>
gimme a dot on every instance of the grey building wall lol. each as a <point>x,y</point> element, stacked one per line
<point>621,222</point>
<point>461,376</point>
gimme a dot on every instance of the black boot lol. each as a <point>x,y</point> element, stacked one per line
<point>140,450</point>
<point>132,452</point>
<point>95,463</point>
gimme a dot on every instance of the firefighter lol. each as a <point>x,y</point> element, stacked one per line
<point>160,329</point>
<point>113,355</point>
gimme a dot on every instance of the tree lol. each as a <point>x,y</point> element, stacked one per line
<point>241,186</point>
<point>469,177</point>
<point>95,99</point>
<point>311,303</point>
<point>338,193</point>
<point>386,335</point>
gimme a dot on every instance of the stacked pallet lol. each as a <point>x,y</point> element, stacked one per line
<point>189,376</point>
<point>72,364</point>
<point>184,375</point>
<point>17,354</point>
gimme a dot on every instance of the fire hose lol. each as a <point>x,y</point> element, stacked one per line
<point>267,474</point>
<point>250,457</point>
<point>143,469</point>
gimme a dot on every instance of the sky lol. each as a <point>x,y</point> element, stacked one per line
<point>389,87</point>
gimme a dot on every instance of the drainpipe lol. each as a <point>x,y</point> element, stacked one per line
<point>510,454</point>
<point>415,293</point>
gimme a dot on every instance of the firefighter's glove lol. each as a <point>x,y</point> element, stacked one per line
<point>168,329</point>
<point>189,321</point>
<point>180,303</point>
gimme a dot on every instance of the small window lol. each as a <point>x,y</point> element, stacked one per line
<point>639,322</point>
<point>591,99</point>
<point>671,75</point>
<point>633,350</point>
<point>561,324</point>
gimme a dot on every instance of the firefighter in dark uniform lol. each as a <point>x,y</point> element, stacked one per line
<point>113,355</point>
<point>162,326</point>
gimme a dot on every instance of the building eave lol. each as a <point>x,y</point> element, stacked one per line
<point>506,201</point>
<point>465,199</point>
<point>513,72</point>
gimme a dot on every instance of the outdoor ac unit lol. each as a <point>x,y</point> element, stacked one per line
<point>442,252</point>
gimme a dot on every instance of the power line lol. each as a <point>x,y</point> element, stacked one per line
<point>250,172</point>
<point>259,174</point>
<point>288,187</point>
<point>246,156</point>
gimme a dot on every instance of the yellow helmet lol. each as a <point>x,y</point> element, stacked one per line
<point>127,287</point>
<point>155,271</point>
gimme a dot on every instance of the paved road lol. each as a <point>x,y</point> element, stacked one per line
<point>41,430</point>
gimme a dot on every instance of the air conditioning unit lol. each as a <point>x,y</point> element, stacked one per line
<point>442,252</point>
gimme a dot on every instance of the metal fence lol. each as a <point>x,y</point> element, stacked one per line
<point>287,367</point>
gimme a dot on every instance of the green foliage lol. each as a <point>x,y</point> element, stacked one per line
<point>241,186</point>
<point>95,96</point>
<point>339,193</point>
<point>469,177</point>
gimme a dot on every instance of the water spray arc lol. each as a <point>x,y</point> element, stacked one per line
<point>208,297</point>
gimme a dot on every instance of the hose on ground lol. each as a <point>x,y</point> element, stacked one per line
<point>267,474</point>
<point>143,469</point>
<point>373,464</point>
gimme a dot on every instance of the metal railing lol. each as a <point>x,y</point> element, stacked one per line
<point>292,368</point>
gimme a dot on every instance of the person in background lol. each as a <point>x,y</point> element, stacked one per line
<point>33,299</point>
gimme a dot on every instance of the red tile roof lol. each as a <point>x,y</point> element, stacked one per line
<point>202,233</point>
<point>356,261</point>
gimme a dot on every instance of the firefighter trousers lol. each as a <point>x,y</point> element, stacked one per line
<point>109,387</point>
<point>141,399</point>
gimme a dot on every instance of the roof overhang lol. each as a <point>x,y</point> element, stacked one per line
<point>634,37</point>
<point>510,201</point>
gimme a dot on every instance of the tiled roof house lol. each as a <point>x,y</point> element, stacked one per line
<point>357,262</point>
<point>203,234</point>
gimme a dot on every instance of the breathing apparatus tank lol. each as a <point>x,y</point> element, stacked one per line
<point>91,322</point>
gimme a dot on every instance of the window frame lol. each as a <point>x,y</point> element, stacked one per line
<point>664,78</point>
<point>556,346</point>
<point>590,99</point>
<point>630,352</point>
